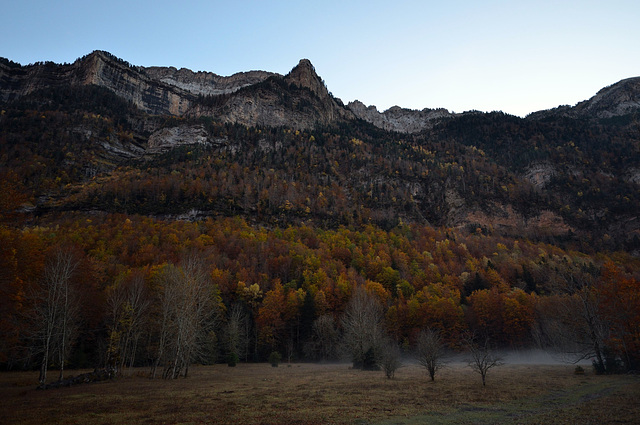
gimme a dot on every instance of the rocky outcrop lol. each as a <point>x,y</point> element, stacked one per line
<point>399,119</point>
<point>539,174</point>
<point>169,138</point>
<point>506,219</point>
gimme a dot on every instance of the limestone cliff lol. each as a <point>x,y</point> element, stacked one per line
<point>206,83</point>
<point>102,69</point>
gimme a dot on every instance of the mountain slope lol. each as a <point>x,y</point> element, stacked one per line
<point>100,135</point>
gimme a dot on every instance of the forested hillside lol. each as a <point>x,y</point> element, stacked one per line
<point>131,239</point>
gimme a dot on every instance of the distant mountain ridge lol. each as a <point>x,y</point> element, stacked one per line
<point>298,100</point>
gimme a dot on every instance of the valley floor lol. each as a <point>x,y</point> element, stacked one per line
<point>329,394</point>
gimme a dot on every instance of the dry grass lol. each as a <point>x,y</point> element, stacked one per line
<point>329,394</point>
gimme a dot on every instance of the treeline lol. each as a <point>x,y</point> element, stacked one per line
<point>135,291</point>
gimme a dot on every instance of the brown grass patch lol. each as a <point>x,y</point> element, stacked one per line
<point>328,394</point>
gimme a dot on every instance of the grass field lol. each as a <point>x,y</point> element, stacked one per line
<point>329,394</point>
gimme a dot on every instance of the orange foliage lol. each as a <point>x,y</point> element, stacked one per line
<point>619,296</point>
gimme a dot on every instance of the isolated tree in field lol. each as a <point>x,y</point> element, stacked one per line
<point>482,357</point>
<point>431,351</point>
<point>57,309</point>
<point>363,325</point>
<point>390,359</point>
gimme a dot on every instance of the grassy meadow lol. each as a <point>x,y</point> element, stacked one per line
<point>329,394</point>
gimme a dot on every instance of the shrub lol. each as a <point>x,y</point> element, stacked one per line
<point>274,358</point>
<point>390,359</point>
<point>232,359</point>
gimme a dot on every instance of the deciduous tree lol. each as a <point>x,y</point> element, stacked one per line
<point>57,307</point>
<point>363,325</point>
<point>431,351</point>
<point>483,358</point>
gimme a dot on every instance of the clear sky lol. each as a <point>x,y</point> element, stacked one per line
<point>514,56</point>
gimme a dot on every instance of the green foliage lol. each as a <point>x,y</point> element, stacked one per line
<point>232,359</point>
<point>370,361</point>
<point>275,358</point>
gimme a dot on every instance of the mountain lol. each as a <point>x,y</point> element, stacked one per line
<point>101,135</point>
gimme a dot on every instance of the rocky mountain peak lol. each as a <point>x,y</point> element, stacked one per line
<point>304,75</point>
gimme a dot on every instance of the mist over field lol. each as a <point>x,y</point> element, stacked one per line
<point>537,357</point>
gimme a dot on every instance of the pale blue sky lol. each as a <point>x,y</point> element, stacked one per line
<point>514,56</point>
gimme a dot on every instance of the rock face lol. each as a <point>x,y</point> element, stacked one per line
<point>399,119</point>
<point>102,69</point>
<point>206,83</point>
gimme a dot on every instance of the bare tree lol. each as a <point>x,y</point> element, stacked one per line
<point>188,316</point>
<point>164,315</point>
<point>482,358</point>
<point>390,358</point>
<point>431,351</point>
<point>56,309</point>
<point>363,324</point>
<point>129,303</point>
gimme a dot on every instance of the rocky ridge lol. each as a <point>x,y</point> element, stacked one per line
<point>618,99</point>
<point>399,119</point>
<point>299,99</point>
